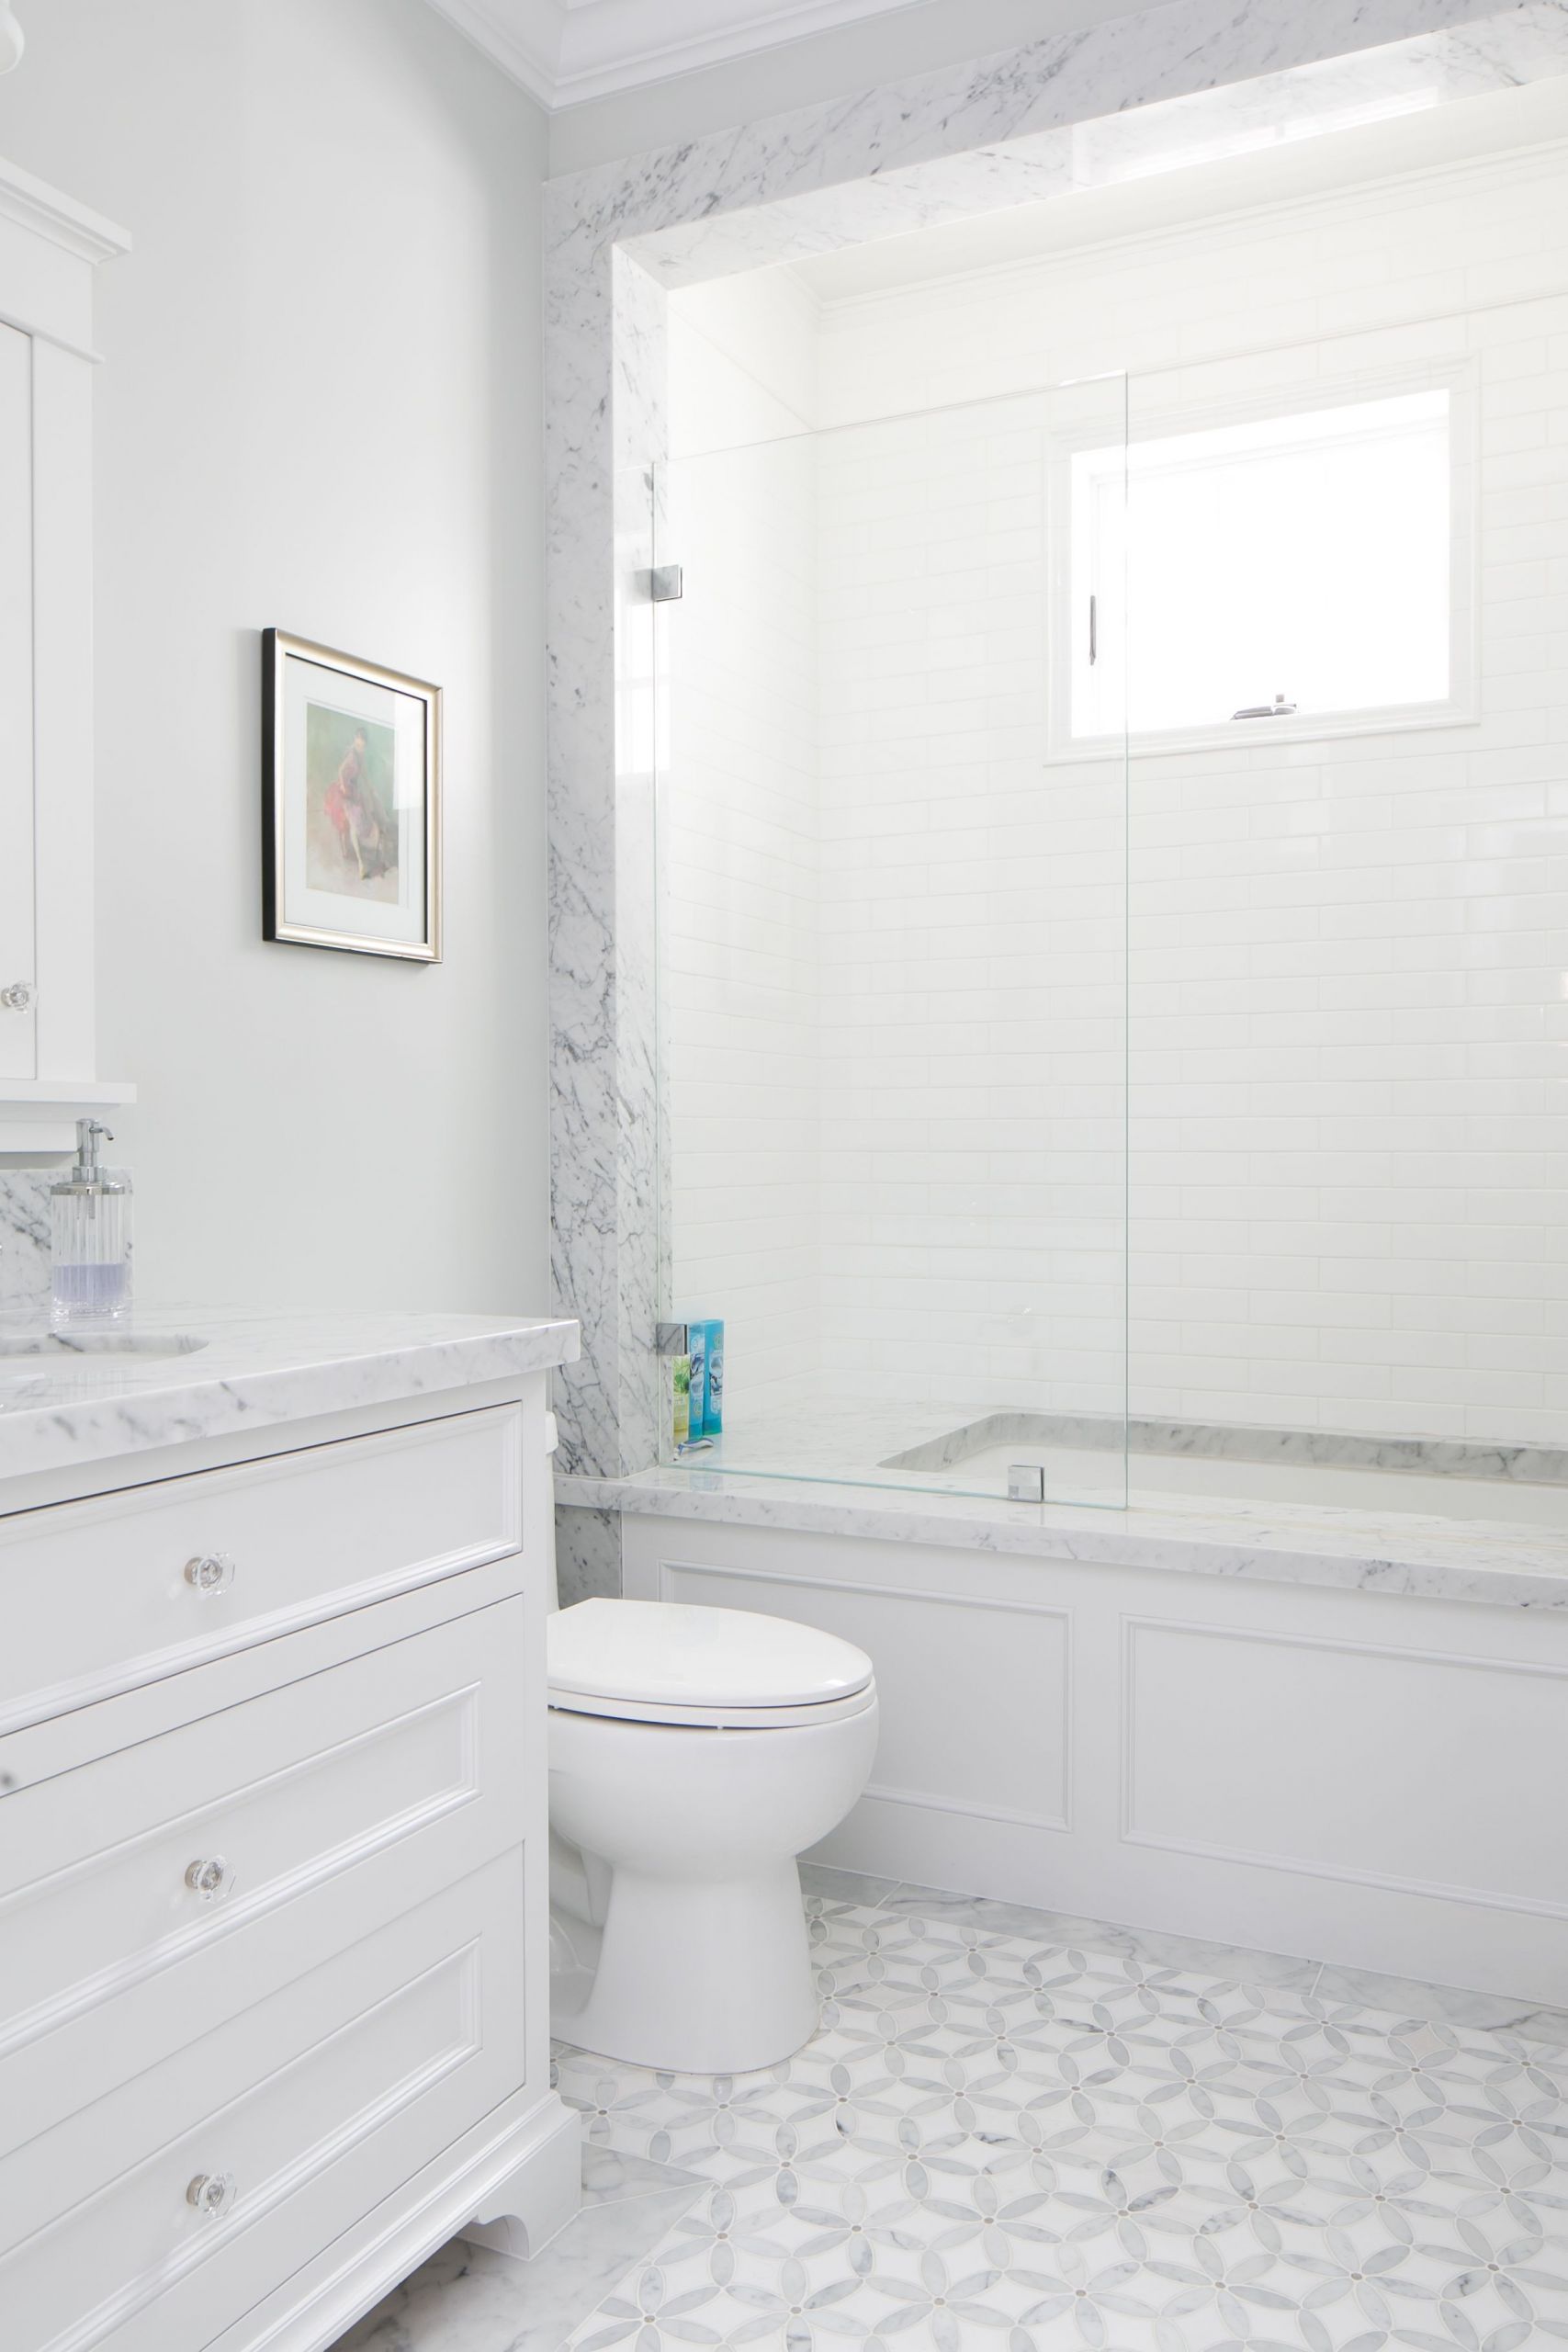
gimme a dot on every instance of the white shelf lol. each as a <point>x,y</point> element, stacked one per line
<point>27,1094</point>
<point>38,1115</point>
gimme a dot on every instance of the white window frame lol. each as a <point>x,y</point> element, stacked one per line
<point>1156,420</point>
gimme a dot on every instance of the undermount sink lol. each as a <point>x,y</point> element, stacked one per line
<point>46,1348</point>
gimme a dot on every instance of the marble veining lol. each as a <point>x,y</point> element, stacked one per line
<point>985,108</point>
<point>1344,1550</point>
<point>1029,2129</point>
<point>1217,1441</point>
<point>255,1371</point>
<point>1004,2134</point>
<point>468,2298</point>
<point>1057,142</point>
<point>24,1239</point>
<point>1142,93</point>
<point>587,1555</point>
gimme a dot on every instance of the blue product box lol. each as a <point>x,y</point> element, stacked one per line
<point>696,1348</point>
<point>713,1375</point>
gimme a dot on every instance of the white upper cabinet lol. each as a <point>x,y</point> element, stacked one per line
<point>50,249</point>
<point>18,1048</point>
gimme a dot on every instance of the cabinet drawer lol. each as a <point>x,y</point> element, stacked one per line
<point>99,1595</point>
<point>400,1770</point>
<point>314,2105</point>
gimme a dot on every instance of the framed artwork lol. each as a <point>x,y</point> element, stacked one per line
<point>351,803</point>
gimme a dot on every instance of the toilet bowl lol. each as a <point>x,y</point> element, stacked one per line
<point>694,1754</point>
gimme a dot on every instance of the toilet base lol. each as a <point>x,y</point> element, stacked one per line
<point>692,1977</point>
<point>674,1845</point>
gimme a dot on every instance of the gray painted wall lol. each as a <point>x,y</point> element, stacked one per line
<point>320,409</point>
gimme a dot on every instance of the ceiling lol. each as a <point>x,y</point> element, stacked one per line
<point>565,50</point>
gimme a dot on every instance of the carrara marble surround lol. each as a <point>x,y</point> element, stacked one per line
<point>1196,74</point>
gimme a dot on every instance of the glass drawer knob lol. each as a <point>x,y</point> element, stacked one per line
<point>212,2192</point>
<point>210,1572</point>
<point>17,997</point>
<point>209,1877</point>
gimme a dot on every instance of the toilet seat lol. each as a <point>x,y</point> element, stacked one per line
<point>717,1718</point>
<point>672,1662</point>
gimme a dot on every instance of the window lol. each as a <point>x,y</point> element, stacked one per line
<point>1303,566</point>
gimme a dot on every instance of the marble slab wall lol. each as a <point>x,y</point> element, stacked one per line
<point>24,1239</point>
<point>588,1554</point>
<point>1144,92</point>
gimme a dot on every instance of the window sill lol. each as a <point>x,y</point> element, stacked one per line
<point>1256,734</point>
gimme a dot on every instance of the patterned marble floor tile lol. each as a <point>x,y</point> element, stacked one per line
<point>467,2299</point>
<point>1066,1928</point>
<point>1018,2130</point>
<point>1490,2011</point>
<point>1001,2138</point>
<point>846,1886</point>
<point>1362,1987</point>
<point>609,2177</point>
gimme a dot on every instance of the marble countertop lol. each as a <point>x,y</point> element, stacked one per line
<point>256,1370</point>
<point>1433,1558</point>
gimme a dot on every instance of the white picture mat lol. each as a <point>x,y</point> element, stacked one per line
<point>300,905</point>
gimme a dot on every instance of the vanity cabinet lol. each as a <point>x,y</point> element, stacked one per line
<point>274,1990</point>
<point>49,251</point>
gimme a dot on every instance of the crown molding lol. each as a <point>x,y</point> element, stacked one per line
<point>523,37</point>
<point>566,52</point>
<point>614,45</point>
<point>34,205</point>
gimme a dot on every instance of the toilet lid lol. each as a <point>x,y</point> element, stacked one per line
<point>665,1657</point>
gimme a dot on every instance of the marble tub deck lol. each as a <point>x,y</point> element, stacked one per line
<point>1342,1550</point>
<point>931,1448</point>
<point>1018,2128</point>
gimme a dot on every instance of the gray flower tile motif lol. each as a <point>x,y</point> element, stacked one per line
<point>1002,2138</point>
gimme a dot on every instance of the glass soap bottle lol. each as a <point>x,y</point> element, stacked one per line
<point>90,1236</point>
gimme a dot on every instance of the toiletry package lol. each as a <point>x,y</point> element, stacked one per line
<point>697,1353</point>
<point>680,1400</point>
<point>706,1340</point>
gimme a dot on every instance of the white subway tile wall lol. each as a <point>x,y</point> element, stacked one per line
<point>972,965</point>
<point>894,940</point>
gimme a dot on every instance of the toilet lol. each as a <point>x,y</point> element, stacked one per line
<point>693,1753</point>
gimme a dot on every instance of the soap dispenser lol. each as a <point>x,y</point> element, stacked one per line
<point>90,1236</point>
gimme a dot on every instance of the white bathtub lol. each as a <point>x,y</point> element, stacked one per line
<point>1075,1476</point>
<point>1180,1463</point>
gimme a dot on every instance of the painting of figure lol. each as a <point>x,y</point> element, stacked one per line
<point>350,770</point>
<point>351,803</point>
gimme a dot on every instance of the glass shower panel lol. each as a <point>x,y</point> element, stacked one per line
<point>892,949</point>
<point>1347,923</point>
